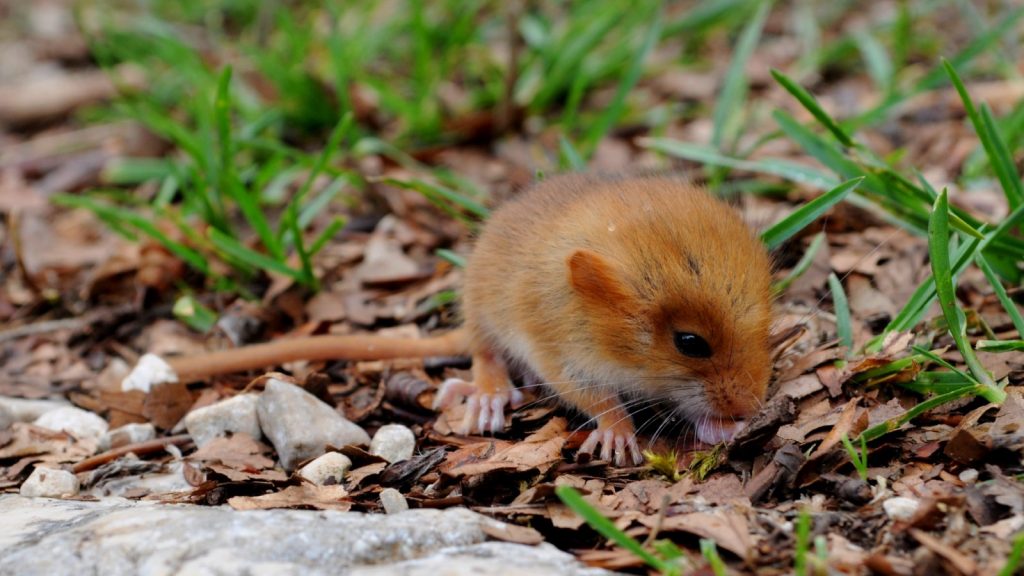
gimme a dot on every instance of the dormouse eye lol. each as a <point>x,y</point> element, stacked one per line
<point>691,345</point>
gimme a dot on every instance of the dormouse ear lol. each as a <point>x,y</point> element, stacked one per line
<point>594,279</point>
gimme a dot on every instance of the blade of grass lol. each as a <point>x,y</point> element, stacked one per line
<point>229,182</point>
<point>998,156</point>
<point>337,223</point>
<point>614,111</point>
<point>605,527</point>
<point>879,430</point>
<point>784,229</point>
<point>140,223</point>
<point>811,104</point>
<point>434,192</point>
<point>456,259</point>
<point>789,170</point>
<point>1000,292</point>
<point>1001,345</point>
<point>938,249</point>
<point>802,265</point>
<point>234,249</point>
<point>841,308</point>
<point>733,92</point>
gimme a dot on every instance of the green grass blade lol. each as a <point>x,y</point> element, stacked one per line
<point>879,430</point>
<point>938,249</point>
<point>802,265</point>
<point>1001,345</point>
<point>803,540</point>
<point>140,223</point>
<point>876,59</point>
<point>605,527</point>
<point>1000,292</point>
<point>1013,561</point>
<point>229,183</point>
<point>250,257</point>
<point>811,104</point>
<point>991,141</point>
<point>784,229</point>
<point>733,92</point>
<point>709,551</point>
<point>435,192</point>
<point>569,156</point>
<point>457,260</point>
<point>841,307</point>
<point>337,223</point>
<point>614,111</point>
<point>706,155</point>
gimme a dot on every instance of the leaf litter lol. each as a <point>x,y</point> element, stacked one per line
<point>960,463</point>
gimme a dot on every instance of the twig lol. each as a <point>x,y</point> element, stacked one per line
<point>138,448</point>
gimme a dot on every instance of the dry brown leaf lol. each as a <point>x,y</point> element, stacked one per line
<point>539,451</point>
<point>727,527</point>
<point>302,496</point>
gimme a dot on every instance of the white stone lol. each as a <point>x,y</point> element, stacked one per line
<point>969,476</point>
<point>236,414</point>
<point>81,424</point>
<point>393,501</point>
<point>300,426</point>
<point>327,469</point>
<point>150,371</point>
<point>49,483</point>
<point>127,434</point>
<point>900,508</point>
<point>393,442</point>
<point>25,410</point>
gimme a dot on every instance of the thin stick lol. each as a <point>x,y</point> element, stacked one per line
<point>146,447</point>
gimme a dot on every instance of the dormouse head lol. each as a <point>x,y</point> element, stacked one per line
<point>679,307</point>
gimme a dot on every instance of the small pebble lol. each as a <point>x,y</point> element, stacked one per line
<point>127,434</point>
<point>49,483</point>
<point>81,424</point>
<point>150,371</point>
<point>328,469</point>
<point>393,501</point>
<point>969,476</point>
<point>393,442</point>
<point>236,414</point>
<point>900,508</point>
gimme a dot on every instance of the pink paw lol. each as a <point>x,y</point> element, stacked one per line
<point>618,446</point>
<point>484,412</point>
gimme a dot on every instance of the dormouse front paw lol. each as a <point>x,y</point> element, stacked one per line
<point>618,445</point>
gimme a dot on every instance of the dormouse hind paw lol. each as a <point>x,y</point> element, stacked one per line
<point>485,411</point>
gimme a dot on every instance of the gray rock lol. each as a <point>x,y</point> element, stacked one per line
<point>236,414</point>
<point>393,442</point>
<point>127,434</point>
<point>327,469</point>
<point>79,423</point>
<point>300,426</point>
<point>117,537</point>
<point>487,559</point>
<point>393,501</point>
<point>24,410</point>
<point>49,483</point>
